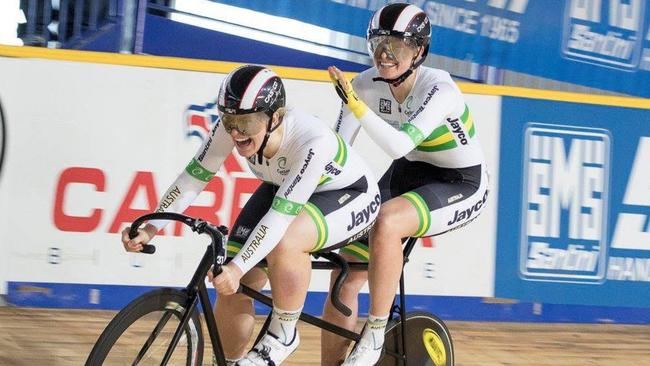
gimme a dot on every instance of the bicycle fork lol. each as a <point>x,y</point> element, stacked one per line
<point>198,292</point>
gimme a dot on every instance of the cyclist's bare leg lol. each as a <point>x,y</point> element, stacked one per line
<point>334,347</point>
<point>236,313</point>
<point>290,264</point>
<point>397,219</point>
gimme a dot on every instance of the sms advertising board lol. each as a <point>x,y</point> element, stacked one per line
<point>573,225</point>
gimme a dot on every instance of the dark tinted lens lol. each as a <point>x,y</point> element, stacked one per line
<point>246,124</point>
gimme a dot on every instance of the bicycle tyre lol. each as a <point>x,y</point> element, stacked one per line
<point>428,341</point>
<point>171,303</point>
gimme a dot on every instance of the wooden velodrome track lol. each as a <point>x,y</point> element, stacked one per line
<point>64,337</point>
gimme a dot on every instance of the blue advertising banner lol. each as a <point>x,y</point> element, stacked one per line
<point>597,43</point>
<point>603,44</point>
<point>574,205</point>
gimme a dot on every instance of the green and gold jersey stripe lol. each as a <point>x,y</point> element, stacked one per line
<point>356,249</point>
<point>324,180</point>
<point>233,248</point>
<point>321,225</point>
<point>285,206</point>
<point>468,122</point>
<point>340,158</point>
<point>196,170</point>
<point>443,139</point>
<point>423,212</point>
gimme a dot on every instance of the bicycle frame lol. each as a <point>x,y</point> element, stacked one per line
<point>197,292</point>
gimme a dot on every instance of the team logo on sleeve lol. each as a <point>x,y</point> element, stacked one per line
<point>282,166</point>
<point>408,106</point>
<point>384,106</point>
<point>199,120</point>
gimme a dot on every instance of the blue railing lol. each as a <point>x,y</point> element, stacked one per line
<point>63,23</point>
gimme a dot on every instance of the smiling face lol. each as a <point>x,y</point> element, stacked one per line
<point>246,130</point>
<point>392,55</point>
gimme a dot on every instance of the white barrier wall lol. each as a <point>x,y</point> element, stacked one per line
<point>92,146</point>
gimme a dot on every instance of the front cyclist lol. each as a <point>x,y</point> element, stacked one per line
<point>438,180</point>
<point>313,183</point>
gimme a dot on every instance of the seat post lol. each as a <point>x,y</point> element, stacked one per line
<point>410,243</point>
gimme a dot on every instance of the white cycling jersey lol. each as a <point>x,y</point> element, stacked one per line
<point>311,158</point>
<point>432,125</point>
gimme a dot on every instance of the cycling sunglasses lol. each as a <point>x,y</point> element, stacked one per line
<point>246,124</point>
<point>396,48</point>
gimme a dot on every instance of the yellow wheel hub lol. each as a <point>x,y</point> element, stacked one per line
<point>435,347</point>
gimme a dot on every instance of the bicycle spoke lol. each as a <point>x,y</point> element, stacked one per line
<point>152,337</point>
<point>187,314</point>
<point>149,341</point>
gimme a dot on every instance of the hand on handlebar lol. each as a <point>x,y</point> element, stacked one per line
<point>227,282</point>
<point>144,236</point>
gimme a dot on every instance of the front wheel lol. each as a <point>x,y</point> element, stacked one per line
<point>141,333</point>
<point>428,341</point>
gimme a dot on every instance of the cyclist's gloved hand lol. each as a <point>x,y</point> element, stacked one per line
<point>227,282</point>
<point>344,89</point>
<point>144,236</point>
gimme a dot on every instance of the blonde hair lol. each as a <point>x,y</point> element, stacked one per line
<point>281,111</point>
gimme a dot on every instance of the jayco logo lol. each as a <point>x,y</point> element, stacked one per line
<point>360,218</point>
<point>331,169</point>
<point>457,130</point>
<point>461,215</point>
<point>565,190</point>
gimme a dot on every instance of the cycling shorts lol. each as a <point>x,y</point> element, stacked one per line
<point>445,198</point>
<point>341,216</point>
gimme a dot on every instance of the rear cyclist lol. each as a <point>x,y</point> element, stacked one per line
<point>438,180</point>
<point>312,184</point>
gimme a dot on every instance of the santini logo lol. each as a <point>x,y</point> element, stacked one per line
<point>564,215</point>
<point>604,31</point>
